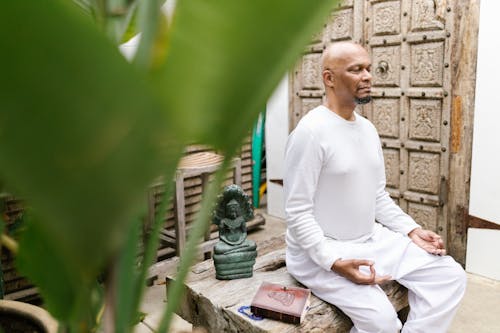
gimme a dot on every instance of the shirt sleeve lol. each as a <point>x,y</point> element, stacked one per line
<point>303,162</point>
<point>386,210</point>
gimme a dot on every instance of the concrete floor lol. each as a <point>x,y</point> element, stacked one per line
<point>478,313</point>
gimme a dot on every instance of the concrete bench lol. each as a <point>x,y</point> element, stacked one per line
<point>213,304</point>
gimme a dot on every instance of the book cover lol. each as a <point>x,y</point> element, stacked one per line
<point>275,301</point>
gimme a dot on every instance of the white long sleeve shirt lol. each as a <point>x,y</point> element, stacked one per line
<point>334,183</point>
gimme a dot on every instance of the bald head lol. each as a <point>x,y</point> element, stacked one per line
<point>338,52</point>
<point>346,74</point>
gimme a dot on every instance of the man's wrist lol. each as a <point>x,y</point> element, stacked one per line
<point>333,265</point>
<point>413,230</point>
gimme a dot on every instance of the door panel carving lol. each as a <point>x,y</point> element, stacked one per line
<point>425,119</point>
<point>386,18</point>
<point>311,72</point>
<point>317,37</point>
<point>427,64</point>
<point>391,160</point>
<point>424,172</point>
<point>386,116</point>
<point>425,16</point>
<point>426,216</point>
<point>341,25</point>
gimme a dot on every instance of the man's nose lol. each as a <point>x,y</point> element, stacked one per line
<point>367,76</point>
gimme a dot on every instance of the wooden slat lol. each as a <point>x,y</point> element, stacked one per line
<point>25,295</point>
<point>476,222</point>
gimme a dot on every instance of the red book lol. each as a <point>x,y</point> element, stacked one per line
<point>275,301</point>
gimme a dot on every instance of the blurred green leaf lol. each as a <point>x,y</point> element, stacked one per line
<point>119,16</point>
<point>200,225</point>
<point>50,272</point>
<point>81,133</point>
<point>126,281</point>
<point>131,30</point>
<point>152,242</point>
<point>153,30</point>
<point>225,57</point>
<point>84,5</point>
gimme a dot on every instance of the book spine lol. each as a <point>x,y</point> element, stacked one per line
<point>266,313</point>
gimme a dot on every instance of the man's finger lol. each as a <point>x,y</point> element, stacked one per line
<point>373,275</point>
<point>440,252</point>
<point>382,279</point>
<point>436,251</point>
<point>428,236</point>
<point>361,262</point>
<point>372,279</point>
<point>362,278</point>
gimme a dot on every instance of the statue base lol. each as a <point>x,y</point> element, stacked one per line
<point>236,265</point>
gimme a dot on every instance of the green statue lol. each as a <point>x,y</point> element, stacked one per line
<point>234,254</point>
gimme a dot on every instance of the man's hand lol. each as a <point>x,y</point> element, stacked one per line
<point>428,240</point>
<point>350,270</point>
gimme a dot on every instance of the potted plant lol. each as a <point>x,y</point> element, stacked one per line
<point>83,132</point>
<point>18,316</point>
<point>23,317</point>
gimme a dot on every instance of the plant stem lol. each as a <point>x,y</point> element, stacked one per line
<point>9,243</point>
<point>153,237</point>
<point>99,11</point>
<point>149,21</point>
<point>201,223</point>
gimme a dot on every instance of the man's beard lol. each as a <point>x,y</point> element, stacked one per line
<point>362,100</point>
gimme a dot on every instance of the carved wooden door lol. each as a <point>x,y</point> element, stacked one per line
<point>408,41</point>
<point>345,23</point>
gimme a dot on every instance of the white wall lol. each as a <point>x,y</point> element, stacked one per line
<point>483,245</point>
<point>483,248</point>
<point>276,136</point>
<point>485,175</point>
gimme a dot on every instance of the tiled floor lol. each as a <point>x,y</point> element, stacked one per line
<point>478,313</point>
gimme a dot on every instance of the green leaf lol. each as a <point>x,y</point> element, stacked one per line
<point>225,57</point>
<point>81,132</point>
<point>223,61</point>
<point>148,18</point>
<point>126,281</point>
<point>54,277</point>
<point>152,242</point>
<point>131,29</point>
<point>119,16</point>
<point>200,225</point>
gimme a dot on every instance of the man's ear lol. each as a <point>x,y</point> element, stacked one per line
<point>328,78</point>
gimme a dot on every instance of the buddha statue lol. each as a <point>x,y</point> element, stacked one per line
<point>234,254</point>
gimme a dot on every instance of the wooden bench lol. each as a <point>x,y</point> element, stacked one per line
<point>213,304</point>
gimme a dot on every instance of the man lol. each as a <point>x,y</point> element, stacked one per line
<point>335,190</point>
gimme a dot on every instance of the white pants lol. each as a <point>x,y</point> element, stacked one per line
<point>436,284</point>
